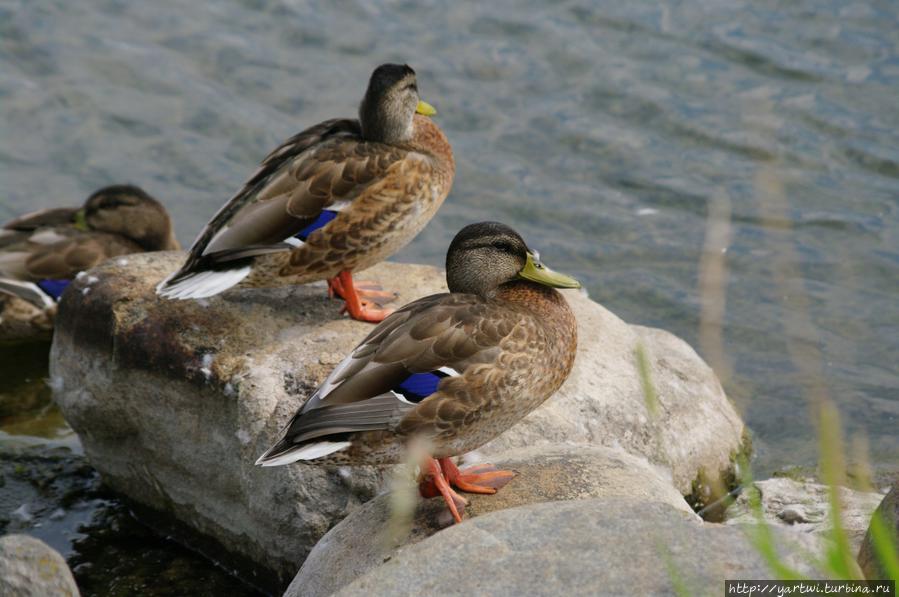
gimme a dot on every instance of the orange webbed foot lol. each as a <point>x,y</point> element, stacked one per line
<point>481,478</point>
<point>442,475</point>
<point>433,483</point>
<point>365,289</point>
<point>372,291</point>
<point>357,306</point>
<point>366,311</point>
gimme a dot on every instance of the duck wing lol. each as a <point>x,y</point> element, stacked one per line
<point>324,167</point>
<point>43,218</point>
<point>38,265</point>
<point>407,358</point>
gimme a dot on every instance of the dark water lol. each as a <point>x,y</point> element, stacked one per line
<point>604,132</point>
<point>50,491</point>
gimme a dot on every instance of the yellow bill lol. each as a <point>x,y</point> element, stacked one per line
<point>535,271</point>
<point>425,108</point>
<point>81,221</point>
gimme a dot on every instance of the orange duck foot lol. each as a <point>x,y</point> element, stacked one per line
<point>362,310</point>
<point>365,289</point>
<point>481,478</point>
<point>442,475</point>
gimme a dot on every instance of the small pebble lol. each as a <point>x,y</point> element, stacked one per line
<point>792,514</point>
<point>21,514</point>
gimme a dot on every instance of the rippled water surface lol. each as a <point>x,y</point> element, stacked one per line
<point>607,133</point>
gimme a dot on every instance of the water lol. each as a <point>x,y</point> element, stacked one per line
<point>602,131</point>
<point>48,490</point>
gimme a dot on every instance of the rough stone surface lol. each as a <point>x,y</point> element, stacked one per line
<point>31,568</point>
<point>545,474</point>
<point>803,506</point>
<point>603,546</point>
<point>174,400</point>
<point>867,556</point>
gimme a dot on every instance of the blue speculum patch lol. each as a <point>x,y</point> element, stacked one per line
<point>54,288</point>
<point>323,218</point>
<point>419,386</point>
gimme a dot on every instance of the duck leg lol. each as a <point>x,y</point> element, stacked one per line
<point>433,483</point>
<point>366,289</point>
<point>358,308</point>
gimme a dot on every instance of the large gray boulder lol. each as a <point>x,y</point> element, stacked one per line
<point>545,474</point>
<point>31,568</point>
<point>175,400</point>
<point>602,546</point>
<point>868,559</point>
<point>804,507</point>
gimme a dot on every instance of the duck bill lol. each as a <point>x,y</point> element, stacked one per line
<point>535,271</point>
<point>425,108</point>
<point>81,221</point>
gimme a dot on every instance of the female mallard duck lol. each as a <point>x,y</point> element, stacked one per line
<point>41,252</point>
<point>340,196</point>
<point>454,369</point>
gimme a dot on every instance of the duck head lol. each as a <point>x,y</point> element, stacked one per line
<point>486,255</point>
<point>130,212</point>
<point>390,103</point>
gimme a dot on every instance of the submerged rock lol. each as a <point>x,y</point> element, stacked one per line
<point>545,474</point>
<point>867,554</point>
<point>175,400</point>
<point>602,546</point>
<point>804,506</point>
<point>31,568</point>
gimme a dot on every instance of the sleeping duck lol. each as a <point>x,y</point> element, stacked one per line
<point>454,369</point>
<point>41,252</point>
<point>338,197</point>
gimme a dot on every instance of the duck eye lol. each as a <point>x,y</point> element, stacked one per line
<point>504,246</point>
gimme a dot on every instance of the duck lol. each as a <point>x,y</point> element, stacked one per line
<point>337,197</point>
<point>450,371</point>
<point>41,252</point>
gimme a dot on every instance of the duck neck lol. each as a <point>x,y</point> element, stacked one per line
<point>546,302</point>
<point>428,138</point>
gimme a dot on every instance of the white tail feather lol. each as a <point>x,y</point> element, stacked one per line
<point>29,291</point>
<point>307,452</point>
<point>202,284</point>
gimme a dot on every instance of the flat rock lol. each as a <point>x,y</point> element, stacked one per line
<point>867,555</point>
<point>175,400</point>
<point>601,546</point>
<point>31,568</point>
<point>803,506</point>
<point>545,474</point>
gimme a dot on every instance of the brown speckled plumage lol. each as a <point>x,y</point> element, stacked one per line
<point>512,345</point>
<point>402,189</point>
<point>58,243</point>
<point>518,350</point>
<point>384,189</point>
